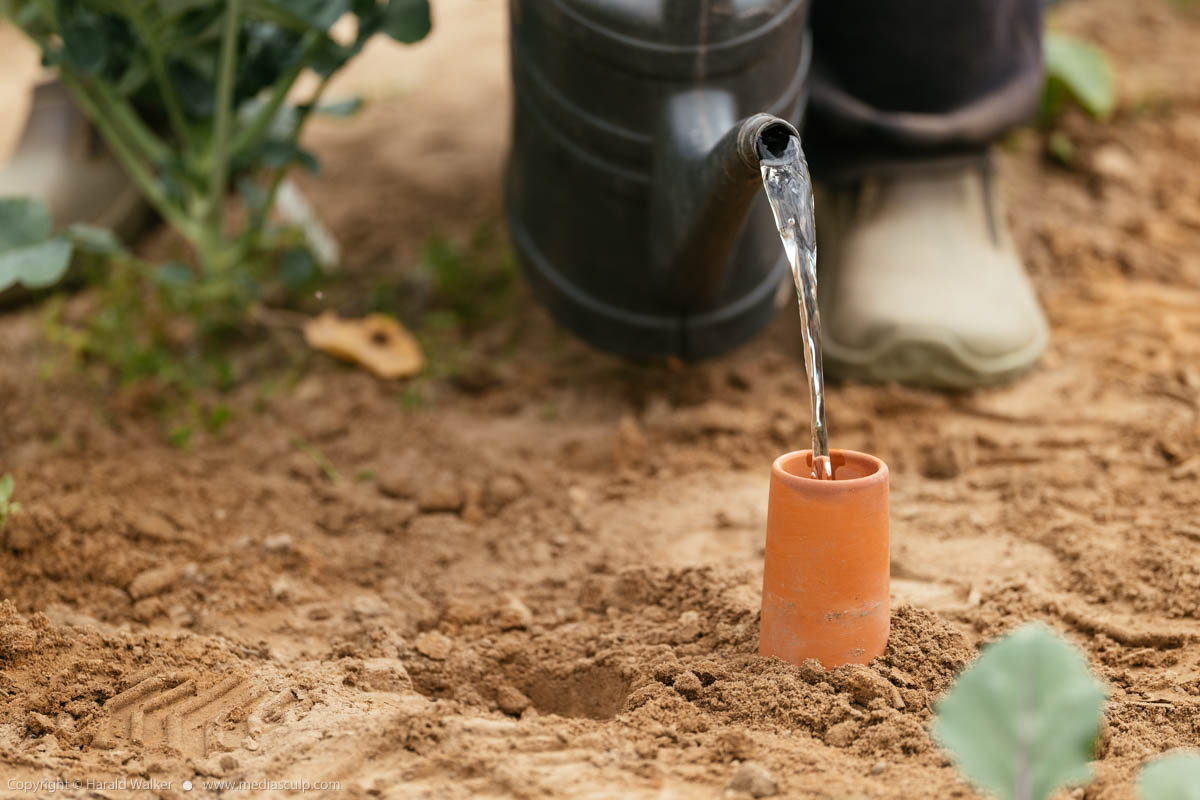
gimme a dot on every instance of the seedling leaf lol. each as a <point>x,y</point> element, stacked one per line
<point>7,507</point>
<point>91,239</point>
<point>1083,70</point>
<point>1022,721</point>
<point>23,220</point>
<point>35,266</point>
<point>1175,776</point>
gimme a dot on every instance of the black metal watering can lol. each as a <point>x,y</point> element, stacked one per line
<point>633,190</point>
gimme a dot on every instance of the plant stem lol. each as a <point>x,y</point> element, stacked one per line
<point>224,113</point>
<point>124,116</point>
<point>158,68</point>
<point>259,215</point>
<point>126,153</point>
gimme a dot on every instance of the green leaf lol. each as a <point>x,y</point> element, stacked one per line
<point>193,81</point>
<point>252,194</point>
<point>174,275</point>
<point>93,239</point>
<point>275,153</point>
<point>407,21</point>
<point>297,267</point>
<point>1061,148</point>
<point>136,76</point>
<point>6,489</point>
<point>85,45</point>
<point>28,255</point>
<point>180,436</point>
<point>317,13</point>
<point>267,52</point>
<point>330,56</point>
<point>216,419</point>
<point>170,8</point>
<point>1175,776</point>
<point>341,108</point>
<point>23,220</point>
<point>1023,720</point>
<point>1083,70</point>
<point>35,266</point>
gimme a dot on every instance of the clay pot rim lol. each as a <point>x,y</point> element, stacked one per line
<point>877,471</point>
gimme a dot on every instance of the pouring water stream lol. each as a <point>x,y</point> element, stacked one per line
<point>789,190</point>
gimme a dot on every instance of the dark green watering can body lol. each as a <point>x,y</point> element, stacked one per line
<point>633,194</point>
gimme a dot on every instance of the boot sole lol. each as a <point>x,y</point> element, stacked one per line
<point>930,358</point>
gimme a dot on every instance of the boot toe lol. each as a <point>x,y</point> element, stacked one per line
<point>922,290</point>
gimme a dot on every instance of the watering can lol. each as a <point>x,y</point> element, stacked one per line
<point>633,188</point>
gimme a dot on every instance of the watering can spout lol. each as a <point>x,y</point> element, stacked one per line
<point>706,178</point>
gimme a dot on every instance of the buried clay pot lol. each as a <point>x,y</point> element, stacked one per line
<point>826,571</point>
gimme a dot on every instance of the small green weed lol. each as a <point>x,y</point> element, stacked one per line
<point>8,506</point>
<point>180,436</point>
<point>1076,71</point>
<point>312,451</point>
<point>471,281</point>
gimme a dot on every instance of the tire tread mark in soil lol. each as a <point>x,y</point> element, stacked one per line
<point>168,711</point>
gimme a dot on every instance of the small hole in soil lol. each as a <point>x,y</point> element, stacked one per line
<point>594,692</point>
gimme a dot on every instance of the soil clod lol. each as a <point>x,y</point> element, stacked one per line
<point>754,779</point>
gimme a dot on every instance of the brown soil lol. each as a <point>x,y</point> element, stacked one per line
<point>544,580</point>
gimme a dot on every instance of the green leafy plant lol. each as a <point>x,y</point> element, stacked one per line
<point>1175,776</point>
<point>1023,721</point>
<point>1076,70</point>
<point>472,280</point>
<point>195,99</point>
<point>31,255</point>
<point>7,506</point>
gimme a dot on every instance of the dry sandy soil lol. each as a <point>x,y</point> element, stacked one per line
<point>543,580</point>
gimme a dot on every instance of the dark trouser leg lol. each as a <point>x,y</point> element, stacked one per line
<point>895,80</point>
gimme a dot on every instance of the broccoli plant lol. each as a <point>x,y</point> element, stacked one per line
<point>1023,721</point>
<point>196,99</point>
<point>192,95</point>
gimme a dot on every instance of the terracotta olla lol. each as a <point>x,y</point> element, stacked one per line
<point>826,576</point>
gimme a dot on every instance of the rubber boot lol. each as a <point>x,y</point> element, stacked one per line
<point>919,280</point>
